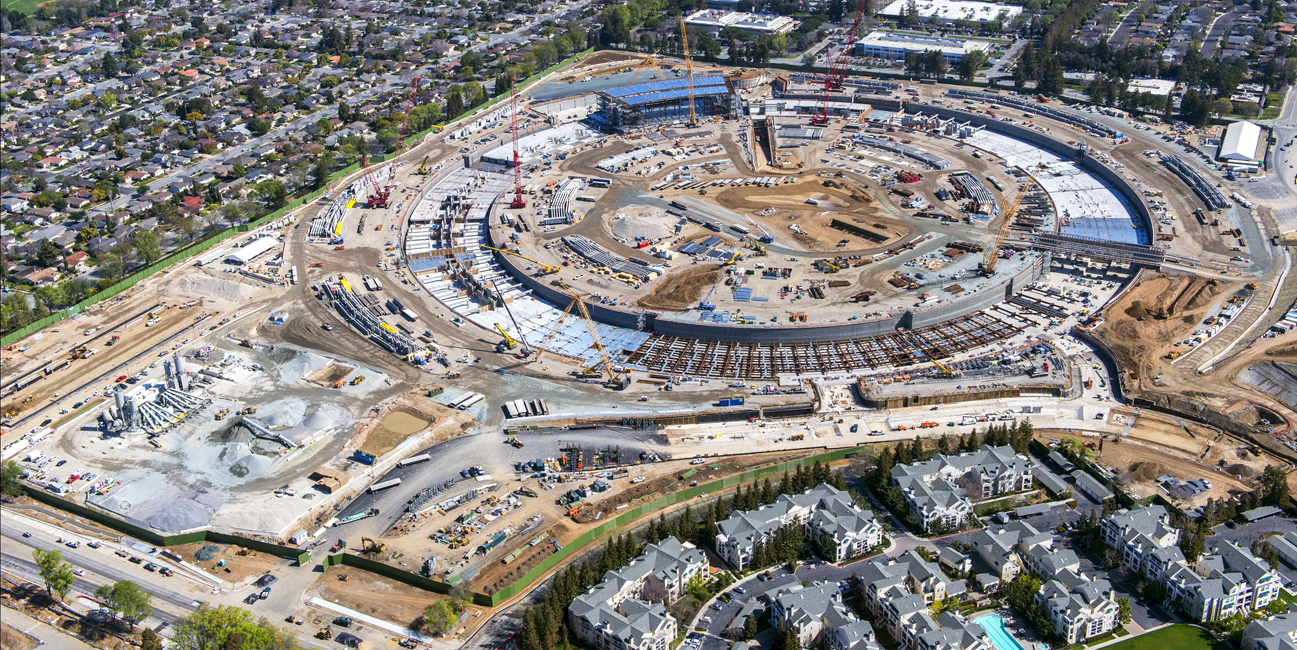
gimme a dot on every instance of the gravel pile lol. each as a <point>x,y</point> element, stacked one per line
<point>645,223</point>
<point>210,287</point>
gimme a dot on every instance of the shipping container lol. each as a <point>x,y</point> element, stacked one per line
<point>415,460</point>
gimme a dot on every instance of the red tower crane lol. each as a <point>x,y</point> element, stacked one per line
<point>837,66</point>
<point>381,191</point>
<point>517,168</point>
<point>377,191</point>
<point>409,107</point>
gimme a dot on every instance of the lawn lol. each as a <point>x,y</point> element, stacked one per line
<point>22,6</point>
<point>1180,637</point>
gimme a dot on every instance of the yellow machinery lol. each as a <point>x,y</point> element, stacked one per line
<point>992,254</point>
<point>423,166</point>
<point>649,60</point>
<point>618,377</point>
<point>545,269</point>
<point>370,546</point>
<point>689,70</point>
<point>508,340</point>
<point>944,369</point>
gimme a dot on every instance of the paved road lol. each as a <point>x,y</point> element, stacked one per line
<point>497,459</point>
<point>1279,189</point>
<point>1219,29</point>
<point>1122,32</point>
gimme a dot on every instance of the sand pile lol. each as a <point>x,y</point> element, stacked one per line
<point>283,413</point>
<point>318,420</point>
<point>247,465</point>
<point>644,223</point>
<point>209,287</point>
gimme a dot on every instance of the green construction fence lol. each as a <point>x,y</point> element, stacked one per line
<point>145,535</point>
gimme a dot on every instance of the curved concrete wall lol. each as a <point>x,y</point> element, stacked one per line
<point>1062,149</point>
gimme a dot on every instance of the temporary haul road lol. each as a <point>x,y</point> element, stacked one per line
<point>372,384</point>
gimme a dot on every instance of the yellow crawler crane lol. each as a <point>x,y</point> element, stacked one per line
<point>689,70</point>
<point>992,255</point>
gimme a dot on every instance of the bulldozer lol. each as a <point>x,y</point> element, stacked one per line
<point>344,578</point>
<point>371,546</point>
<point>325,633</point>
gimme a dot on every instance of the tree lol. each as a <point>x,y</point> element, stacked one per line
<point>149,640</point>
<point>224,627</point>
<point>1274,487</point>
<point>274,193</point>
<point>441,616</point>
<point>1123,610</point>
<point>110,266</point>
<point>48,254</point>
<point>146,246</point>
<point>56,573</point>
<point>10,472</point>
<point>750,627</point>
<point>109,65</point>
<point>655,591</point>
<point>323,165</point>
<point>126,600</point>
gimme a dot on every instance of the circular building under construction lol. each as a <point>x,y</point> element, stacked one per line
<point>665,101</point>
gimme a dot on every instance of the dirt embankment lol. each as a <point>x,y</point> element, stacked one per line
<point>682,291</point>
<point>1142,327</point>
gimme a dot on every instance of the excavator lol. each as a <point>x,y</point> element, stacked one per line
<point>371,546</point>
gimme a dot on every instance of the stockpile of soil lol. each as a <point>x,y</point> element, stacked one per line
<point>679,292</point>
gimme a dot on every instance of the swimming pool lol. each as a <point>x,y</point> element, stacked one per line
<point>994,626</point>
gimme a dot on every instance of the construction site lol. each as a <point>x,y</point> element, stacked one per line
<point>636,275</point>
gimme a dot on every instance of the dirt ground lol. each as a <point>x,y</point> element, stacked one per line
<point>237,567</point>
<point>684,291</point>
<point>377,596</point>
<point>331,374</point>
<point>12,638</point>
<point>497,575</point>
<point>846,201</point>
<point>1121,457</point>
<point>31,600</point>
<point>409,415</point>
<point>1140,339</point>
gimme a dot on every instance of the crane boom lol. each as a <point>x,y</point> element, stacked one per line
<point>517,169</point>
<point>689,70</point>
<point>837,68</point>
<point>409,108</point>
<point>613,373</point>
<point>526,349</point>
<point>993,253</point>
<point>649,60</point>
<point>545,269</point>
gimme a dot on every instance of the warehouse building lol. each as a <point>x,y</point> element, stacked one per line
<point>943,12</point>
<point>1240,149</point>
<point>251,250</point>
<point>655,102</point>
<point>893,45</point>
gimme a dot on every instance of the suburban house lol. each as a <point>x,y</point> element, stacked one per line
<point>899,592</point>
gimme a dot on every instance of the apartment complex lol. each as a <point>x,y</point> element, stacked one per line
<point>820,510</point>
<point>941,491</point>
<point>610,616</point>
<point>820,617</point>
<point>1273,633</point>
<point>1228,580</point>
<point>899,592</point>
